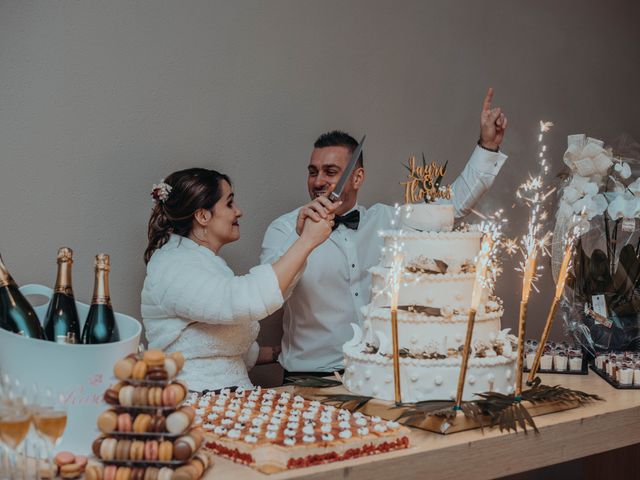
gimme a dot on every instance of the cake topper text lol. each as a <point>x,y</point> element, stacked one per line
<point>423,182</point>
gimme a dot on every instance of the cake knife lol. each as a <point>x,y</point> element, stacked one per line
<point>334,196</point>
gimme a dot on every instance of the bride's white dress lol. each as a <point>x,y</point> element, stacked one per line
<point>192,302</point>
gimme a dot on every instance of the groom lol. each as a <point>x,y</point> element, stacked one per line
<point>334,286</point>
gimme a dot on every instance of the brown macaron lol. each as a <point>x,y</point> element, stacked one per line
<point>151,473</point>
<point>157,374</point>
<point>111,397</point>
<point>137,473</point>
<point>184,447</point>
<point>140,396</point>
<point>153,358</point>
<point>123,450</point>
<point>158,424</point>
<point>95,446</point>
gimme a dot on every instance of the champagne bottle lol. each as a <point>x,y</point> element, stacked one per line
<point>16,314</point>
<point>61,321</point>
<point>100,326</point>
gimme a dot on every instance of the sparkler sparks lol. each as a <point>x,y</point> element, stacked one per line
<point>533,193</point>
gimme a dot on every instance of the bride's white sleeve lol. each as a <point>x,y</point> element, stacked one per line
<point>203,295</point>
<point>250,357</point>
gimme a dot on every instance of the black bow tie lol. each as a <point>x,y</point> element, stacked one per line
<point>350,220</point>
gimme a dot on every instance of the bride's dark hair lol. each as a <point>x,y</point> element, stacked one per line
<point>191,190</point>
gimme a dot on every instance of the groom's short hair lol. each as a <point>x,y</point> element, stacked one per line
<point>337,138</point>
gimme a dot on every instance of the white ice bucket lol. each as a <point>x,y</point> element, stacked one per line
<point>80,373</point>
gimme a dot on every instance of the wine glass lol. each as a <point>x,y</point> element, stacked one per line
<point>15,421</point>
<point>50,420</point>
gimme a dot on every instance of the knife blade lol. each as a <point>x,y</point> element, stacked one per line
<point>334,196</point>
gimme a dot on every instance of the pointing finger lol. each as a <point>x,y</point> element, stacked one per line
<point>495,113</point>
<point>486,105</point>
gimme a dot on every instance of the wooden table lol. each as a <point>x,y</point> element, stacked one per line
<point>564,436</point>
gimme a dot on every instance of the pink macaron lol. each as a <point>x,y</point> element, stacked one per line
<point>64,458</point>
<point>124,422</point>
<point>109,472</point>
<point>168,397</point>
<point>151,450</point>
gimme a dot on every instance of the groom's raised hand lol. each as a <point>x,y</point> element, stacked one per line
<point>493,124</point>
<point>318,209</point>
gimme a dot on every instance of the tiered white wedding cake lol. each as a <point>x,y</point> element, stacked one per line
<point>434,300</point>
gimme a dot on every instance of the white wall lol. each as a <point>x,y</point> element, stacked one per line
<point>98,100</point>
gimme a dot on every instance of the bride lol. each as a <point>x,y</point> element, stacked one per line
<point>191,300</point>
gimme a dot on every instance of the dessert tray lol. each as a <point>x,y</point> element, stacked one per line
<point>275,431</point>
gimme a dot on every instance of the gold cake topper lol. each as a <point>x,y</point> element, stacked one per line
<point>423,182</point>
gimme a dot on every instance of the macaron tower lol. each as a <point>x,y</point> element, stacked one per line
<point>147,433</point>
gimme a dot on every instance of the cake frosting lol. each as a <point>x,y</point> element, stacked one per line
<point>436,285</point>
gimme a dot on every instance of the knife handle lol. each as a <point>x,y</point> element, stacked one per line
<point>333,197</point>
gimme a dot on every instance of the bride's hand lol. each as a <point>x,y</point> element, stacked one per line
<point>316,210</point>
<point>317,232</point>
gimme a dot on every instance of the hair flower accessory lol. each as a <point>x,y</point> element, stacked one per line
<point>160,192</point>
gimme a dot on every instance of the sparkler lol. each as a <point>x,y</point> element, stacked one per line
<point>482,264</point>
<point>393,287</point>
<point>396,275</point>
<point>533,242</point>
<point>562,278</point>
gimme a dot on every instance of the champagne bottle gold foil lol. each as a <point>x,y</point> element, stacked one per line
<point>101,284</point>
<point>5,277</point>
<point>63,280</point>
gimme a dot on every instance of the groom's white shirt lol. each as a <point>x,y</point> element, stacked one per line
<point>335,283</point>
